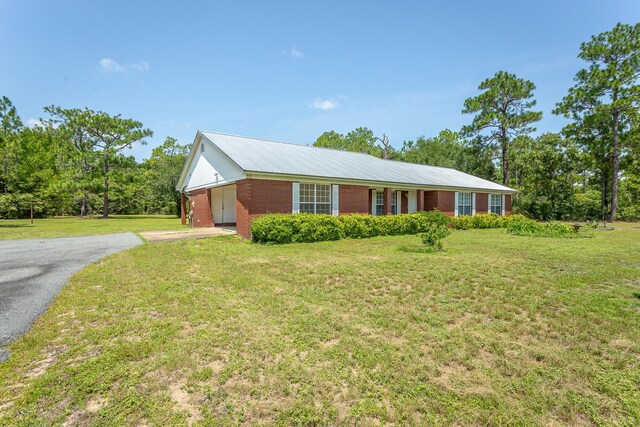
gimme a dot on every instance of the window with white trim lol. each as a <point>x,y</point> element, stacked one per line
<point>393,203</point>
<point>464,203</point>
<point>315,198</point>
<point>379,203</point>
<point>495,203</point>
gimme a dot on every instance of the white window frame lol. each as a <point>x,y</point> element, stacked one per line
<point>458,201</point>
<point>315,202</point>
<point>379,196</point>
<point>500,207</point>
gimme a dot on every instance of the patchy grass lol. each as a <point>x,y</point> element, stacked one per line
<point>498,330</point>
<point>78,226</point>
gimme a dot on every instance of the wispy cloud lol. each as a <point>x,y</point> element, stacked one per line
<point>294,53</point>
<point>141,66</point>
<point>112,66</point>
<point>324,104</point>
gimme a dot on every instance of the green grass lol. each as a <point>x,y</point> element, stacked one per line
<point>78,226</point>
<point>497,330</point>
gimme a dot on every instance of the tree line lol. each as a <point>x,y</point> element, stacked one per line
<point>75,163</point>
<point>588,170</point>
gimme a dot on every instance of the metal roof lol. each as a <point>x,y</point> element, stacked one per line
<point>273,157</point>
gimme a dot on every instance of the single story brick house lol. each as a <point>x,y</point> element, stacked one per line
<point>230,180</point>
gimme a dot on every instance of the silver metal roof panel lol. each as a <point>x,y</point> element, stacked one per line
<point>273,157</point>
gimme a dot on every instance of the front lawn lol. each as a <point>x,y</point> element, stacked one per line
<point>499,330</point>
<point>77,226</point>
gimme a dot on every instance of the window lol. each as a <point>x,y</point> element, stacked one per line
<point>464,203</point>
<point>379,203</point>
<point>315,198</point>
<point>495,203</point>
<point>393,203</point>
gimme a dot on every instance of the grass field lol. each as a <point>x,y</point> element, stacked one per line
<point>499,330</point>
<point>78,226</point>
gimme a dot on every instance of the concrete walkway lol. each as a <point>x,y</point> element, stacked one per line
<point>32,272</point>
<point>184,234</point>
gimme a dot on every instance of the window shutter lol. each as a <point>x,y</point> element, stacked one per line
<point>456,205</point>
<point>503,207</point>
<point>296,198</point>
<point>374,198</point>
<point>334,199</point>
<point>398,202</point>
<point>473,203</point>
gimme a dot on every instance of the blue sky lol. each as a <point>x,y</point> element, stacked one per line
<point>290,70</point>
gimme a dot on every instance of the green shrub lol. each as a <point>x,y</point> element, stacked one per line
<point>462,222</point>
<point>630,213</point>
<point>295,228</point>
<point>529,227</point>
<point>489,220</point>
<point>433,234</point>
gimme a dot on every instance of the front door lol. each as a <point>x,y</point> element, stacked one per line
<point>228,205</point>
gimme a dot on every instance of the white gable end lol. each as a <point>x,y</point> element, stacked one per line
<point>210,167</point>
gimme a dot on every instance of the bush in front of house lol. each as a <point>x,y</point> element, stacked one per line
<point>295,228</point>
<point>490,220</point>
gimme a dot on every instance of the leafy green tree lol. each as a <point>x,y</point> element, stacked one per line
<point>449,150</point>
<point>113,134</point>
<point>10,127</point>
<point>76,149</point>
<point>163,171</point>
<point>609,86</point>
<point>502,113</point>
<point>361,140</point>
<point>548,169</point>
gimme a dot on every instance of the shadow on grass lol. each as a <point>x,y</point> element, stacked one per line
<point>14,225</point>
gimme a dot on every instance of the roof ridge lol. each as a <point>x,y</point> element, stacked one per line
<point>288,143</point>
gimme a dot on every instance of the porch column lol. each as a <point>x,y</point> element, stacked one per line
<point>387,200</point>
<point>420,200</point>
<point>183,212</point>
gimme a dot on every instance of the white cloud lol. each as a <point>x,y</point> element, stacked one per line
<point>110,65</point>
<point>324,104</point>
<point>294,53</point>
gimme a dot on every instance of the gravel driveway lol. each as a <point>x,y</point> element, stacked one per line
<point>32,272</point>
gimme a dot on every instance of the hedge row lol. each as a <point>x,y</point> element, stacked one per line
<point>465,222</point>
<point>298,228</point>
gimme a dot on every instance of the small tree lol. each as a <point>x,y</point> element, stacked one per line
<point>502,113</point>
<point>433,235</point>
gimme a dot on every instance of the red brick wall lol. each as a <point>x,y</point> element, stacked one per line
<point>354,199</point>
<point>446,202</point>
<point>420,200</point>
<point>482,203</point>
<point>430,201</point>
<point>507,204</point>
<point>256,197</point>
<point>387,200</point>
<point>202,216</point>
